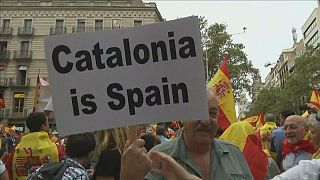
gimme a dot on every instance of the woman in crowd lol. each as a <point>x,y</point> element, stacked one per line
<point>111,146</point>
<point>314,123</point>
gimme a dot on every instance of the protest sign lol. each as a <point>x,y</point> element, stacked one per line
<point>129,76</point>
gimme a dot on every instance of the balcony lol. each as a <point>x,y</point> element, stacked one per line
<point>89,29</point>
<point>58,30</point>
<point>4,55</point>
<point>22,31</point>
<point>22,55</point>
<point>10,113</point>
<point>19,82</point>
<point>3,82</point>
<point>5,31</point>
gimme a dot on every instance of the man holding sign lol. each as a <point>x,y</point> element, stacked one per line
<point>201,154</point>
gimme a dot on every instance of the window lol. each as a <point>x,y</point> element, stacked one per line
<point>3,48</point>
<point>99,25</point>
<point>18,101</point>
<point>59,26</point>
<point>116,23</point>
<point>137,23</point>
<point>310,28</point>
<point>22,75</point>
<point>27,25</point>
<point>81,25</point>
<point>24,49</point>
<point>6,25</point>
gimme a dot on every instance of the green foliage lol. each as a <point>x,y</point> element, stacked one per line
<point>297,89</point>
<point>217,43</point>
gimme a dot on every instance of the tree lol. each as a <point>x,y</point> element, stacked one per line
<point>217,43</point>
<point>297,88</point>
<point>296,91</point>
<point>269,100</point>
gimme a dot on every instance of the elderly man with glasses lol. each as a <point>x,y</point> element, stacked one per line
<point>295,148</point>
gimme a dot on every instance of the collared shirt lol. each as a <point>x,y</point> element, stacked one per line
<point>227,161</point>
<point>293,159</point>
<point>75,172</point>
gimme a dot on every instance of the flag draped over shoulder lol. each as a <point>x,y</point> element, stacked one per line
<point>221,86</point>
<point>43,99</point>
<point>256,121</point>
<point>315,99</point>
<point>242,135</point>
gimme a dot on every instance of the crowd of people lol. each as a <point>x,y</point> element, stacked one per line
<point>288,148</point>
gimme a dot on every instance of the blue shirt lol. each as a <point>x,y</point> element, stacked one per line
<point>277,138</point>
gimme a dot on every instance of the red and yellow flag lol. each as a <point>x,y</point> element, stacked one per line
<point>256,121</point>
<point>221,87</point>
<point>2,103</point>
<point>315,99</point>
<point>242,135</point>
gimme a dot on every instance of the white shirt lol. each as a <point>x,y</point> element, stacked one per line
<point>306,170</point>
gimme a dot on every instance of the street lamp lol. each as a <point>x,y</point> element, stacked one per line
<point>243,31</point>
<point>267,64</point>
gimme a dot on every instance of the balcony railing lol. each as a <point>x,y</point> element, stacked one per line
<point>58,30</point>
<point>22,54</point>
<point>22,31</point>
<point>3,82</point>
<point>19,82</point>
<point>6,31</point>
<point>4,55</point>
<point>89,29</point>
<point>10,113</point>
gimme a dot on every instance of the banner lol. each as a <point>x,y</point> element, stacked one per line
<point>127,76</point>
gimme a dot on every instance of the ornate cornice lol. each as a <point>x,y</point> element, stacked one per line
<point>136,12</point>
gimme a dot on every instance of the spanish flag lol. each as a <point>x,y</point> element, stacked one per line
<point>315,99</point>
<point>256,121</point>
<point>242,135</point>
<point>222,88</point>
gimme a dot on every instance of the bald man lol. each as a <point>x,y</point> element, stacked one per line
<point>295,147</point>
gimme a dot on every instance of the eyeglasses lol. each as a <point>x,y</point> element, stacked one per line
<point>291,126</point>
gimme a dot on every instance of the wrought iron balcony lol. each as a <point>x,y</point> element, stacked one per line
<point>89,29</point>
<point>22,31</point>
<point>3,82</point>
<point>6,31</point>
<point>19,82</point>
<point>4,55</point>
<point>11,113</point>
<point>22,54</point>
<point>58,30</point>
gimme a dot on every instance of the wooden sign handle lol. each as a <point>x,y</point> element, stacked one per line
<point>132,133</point>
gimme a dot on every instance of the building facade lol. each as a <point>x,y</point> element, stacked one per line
<point>243,106</point>
<point>25,24</point>
<point>311,29</point>
<point>284,66</point>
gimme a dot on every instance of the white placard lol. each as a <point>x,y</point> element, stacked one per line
<point>129,76</point>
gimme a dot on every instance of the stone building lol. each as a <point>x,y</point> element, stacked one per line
<point>25,23</point>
